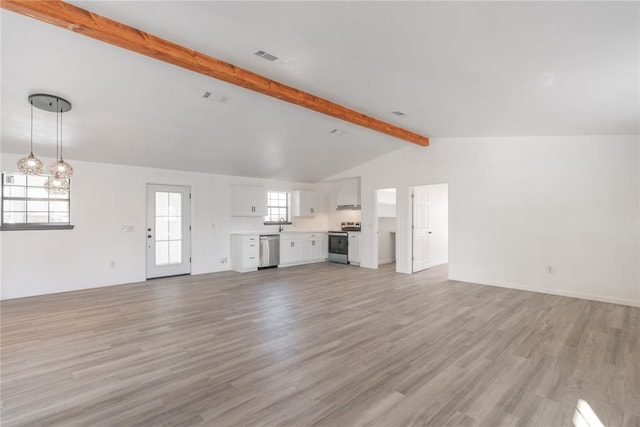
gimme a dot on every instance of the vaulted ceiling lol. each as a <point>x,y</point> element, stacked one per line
<point>455,69</point>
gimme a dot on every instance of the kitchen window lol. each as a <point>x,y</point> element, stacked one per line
<point>27,205</point>
<point>277,207</point>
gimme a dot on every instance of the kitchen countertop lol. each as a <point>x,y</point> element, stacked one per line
<point>302,232</point>
<point>264,233</point>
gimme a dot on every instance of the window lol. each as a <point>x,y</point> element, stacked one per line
<point>27,205</point>
<point>277,207</point>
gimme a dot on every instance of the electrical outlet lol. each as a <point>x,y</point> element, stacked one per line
<point>223,260</point>
<point>112,264</point>
<point>550,269</point>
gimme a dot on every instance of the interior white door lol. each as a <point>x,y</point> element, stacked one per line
<point>421,231</point>
<point>168,230</point>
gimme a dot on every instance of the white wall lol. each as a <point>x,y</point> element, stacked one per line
<point>104,198</point>
<point>519,205</point>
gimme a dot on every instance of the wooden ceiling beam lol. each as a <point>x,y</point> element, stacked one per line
<point>92,25</point>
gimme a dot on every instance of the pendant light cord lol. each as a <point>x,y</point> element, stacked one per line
<point>31,102</point>
<point>61,134</point>
<point>57,140</point>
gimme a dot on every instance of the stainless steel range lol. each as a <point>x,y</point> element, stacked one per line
<point>339,242</point>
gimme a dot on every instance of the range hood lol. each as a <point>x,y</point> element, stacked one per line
<point>349,195</point>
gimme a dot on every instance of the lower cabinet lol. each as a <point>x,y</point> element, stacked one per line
<point>354,248</point>
<point>290,251</point>
<point>302,248</point>
<point>245,252</point>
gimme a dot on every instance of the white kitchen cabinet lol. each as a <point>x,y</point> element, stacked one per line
<point>307,203</point>
<point>354,248</point>
<point>248,201</point>
<point>245,252</point>
<point>302,248</point>
<point>291,251</point>
<point>315,248</point>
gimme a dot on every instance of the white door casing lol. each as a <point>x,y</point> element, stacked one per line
<point>168,230</point>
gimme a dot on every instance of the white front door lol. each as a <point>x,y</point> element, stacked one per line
<point>421,231</point>
<point>168,230</point>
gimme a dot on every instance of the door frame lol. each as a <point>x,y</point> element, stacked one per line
<point>376,230</point>
<point>186,215</point>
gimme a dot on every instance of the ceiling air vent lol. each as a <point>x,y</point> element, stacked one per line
<point>338,132</point>
<point>398,113</point>
<point>269,57</point>
<point>215,97</point>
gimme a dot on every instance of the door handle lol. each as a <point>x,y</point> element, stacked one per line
<point>429,232</point>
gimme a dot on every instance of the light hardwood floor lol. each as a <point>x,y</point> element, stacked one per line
<point>320,344</point>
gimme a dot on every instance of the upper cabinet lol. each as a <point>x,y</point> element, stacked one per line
<point>248,201</point>
<point>307,203</point>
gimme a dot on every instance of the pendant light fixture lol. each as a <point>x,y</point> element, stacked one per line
<point>57,183</point>
<point>60,167</point>
<point>30,165</point>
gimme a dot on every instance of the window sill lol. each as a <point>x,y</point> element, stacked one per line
<point>22,227</point>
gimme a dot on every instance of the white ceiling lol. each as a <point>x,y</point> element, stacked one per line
<point>455,68</point>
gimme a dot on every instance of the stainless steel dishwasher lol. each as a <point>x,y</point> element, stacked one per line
<point>269,251</point>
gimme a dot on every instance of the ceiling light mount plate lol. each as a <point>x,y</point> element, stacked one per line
<point>50,103</point>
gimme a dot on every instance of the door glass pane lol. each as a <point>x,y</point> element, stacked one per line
<point>168,228</point>
<point>175,252</point>
<point>175,204</point>
<point>162,253</point>
<point>162,228</point>
<point>162,204</point>
<point>175,228</point>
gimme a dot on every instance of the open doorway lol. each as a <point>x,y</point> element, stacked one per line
<point>430,226</point>
<point>386,227</point>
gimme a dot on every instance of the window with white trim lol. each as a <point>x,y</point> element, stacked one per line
<point>277,208</point>
<point>27,205</point>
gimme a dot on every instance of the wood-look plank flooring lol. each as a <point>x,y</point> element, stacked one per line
<point>321,344</point>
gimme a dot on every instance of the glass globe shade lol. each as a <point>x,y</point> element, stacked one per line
<point>30,165</point>
<point>56,184</point>
<point>62,169</point>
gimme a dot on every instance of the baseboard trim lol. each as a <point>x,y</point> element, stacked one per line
<point>549,291</point>
<point>437,263</point>
<point>386,261</point>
